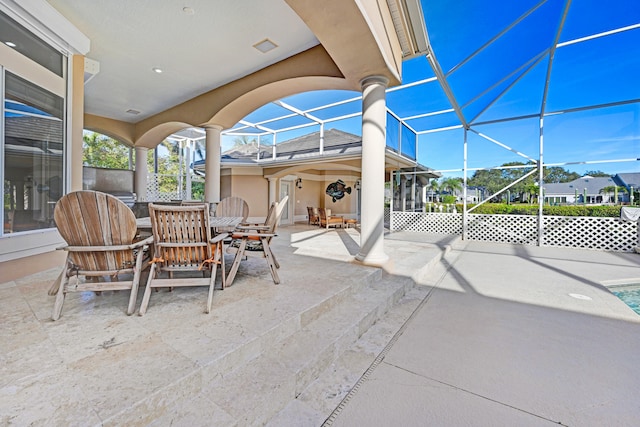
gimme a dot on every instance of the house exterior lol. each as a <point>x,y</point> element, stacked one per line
<point>630,181</point>
<point>584,190</point>
<point>342,45</point>
<point>307,169</point>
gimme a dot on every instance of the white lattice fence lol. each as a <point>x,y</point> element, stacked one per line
<point>438,223</point>
<point>516,229</point>
<point>154,193</point>
<point>606,234</point>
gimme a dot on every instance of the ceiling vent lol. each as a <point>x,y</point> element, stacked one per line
<point>265,45</point>
<point>91,68</point>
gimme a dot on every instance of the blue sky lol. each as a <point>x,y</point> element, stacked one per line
<point>497,61</point>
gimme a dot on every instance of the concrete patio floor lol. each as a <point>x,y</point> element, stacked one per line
<point>448,333</point>
<point>512,335</point>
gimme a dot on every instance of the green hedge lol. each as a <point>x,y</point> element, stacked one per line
<point>526,209</point>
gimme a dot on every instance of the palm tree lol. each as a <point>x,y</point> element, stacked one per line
<point>433,187</point>
<point>531,190</point>
<point>612,189</point>
<point>451,185</point>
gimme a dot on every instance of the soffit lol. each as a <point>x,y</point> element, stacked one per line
<point>197,51</point>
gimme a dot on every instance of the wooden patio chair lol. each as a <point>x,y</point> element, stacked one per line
<point>182,242</point>
<point>99,230</point>
<point>327,220</point>
<point>255,240</point>
<point>312,213</point>
<point>232,207</point>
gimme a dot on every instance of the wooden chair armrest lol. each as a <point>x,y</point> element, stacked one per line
<point>242,235</point>
<point>144,242</point>
<point>136,245</point>
<point>253,227</point>
<point>218,238</point>
<point>98,248</point>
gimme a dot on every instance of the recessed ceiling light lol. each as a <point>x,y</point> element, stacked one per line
<point>10,44</point>
<point>157,70</point>
<point>132,111</point>
<point>265,45</point>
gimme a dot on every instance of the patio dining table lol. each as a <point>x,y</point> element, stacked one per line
<point>144,223</point>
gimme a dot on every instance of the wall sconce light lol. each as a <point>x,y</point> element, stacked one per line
<point>299,183</point>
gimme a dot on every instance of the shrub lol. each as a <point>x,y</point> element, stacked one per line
<point>527,209</point>
<point>448,199</point>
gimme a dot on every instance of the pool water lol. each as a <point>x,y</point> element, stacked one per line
<point>630,295</point>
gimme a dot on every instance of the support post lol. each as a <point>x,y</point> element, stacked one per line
<point>374,118</point>
<point>212,164</point>
<point>140,174</point>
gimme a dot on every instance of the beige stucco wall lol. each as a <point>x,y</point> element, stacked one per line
<point>253,189</point>
<point>309,195</point>
<point>348,204</point>
<point>77,121</point>
<point>20,267</point>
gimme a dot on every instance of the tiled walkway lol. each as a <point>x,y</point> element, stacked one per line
<point>497,340</point>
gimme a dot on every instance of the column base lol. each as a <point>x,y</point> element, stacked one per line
<point>374,260</point>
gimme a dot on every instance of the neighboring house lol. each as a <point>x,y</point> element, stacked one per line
<point>628,181</point>
<point>309,169</point>
<point>587,189</point>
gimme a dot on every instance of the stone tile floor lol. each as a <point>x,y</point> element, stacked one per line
<point>497,340</point>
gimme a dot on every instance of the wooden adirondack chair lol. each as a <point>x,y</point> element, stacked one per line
<point>232,207</point>
<point>99,230</point>
<point>312,213</point>
<point>254,240</point>
<point>182,242</point>
<point>327,220</point>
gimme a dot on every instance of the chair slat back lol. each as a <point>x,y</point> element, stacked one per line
<point>181,235</point>
<point>322,214</point>
<point>92,218</point>
<point>275,213</point>
<point>233,206</point>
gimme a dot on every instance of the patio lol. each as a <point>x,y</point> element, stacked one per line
<point>449,333</point>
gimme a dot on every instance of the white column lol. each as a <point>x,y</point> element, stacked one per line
<point>188,160</point>
<point>140,174</point>
<point>374,123</point>
<point>273,190</point>
<point>403,193</point>
<point>212,164</point>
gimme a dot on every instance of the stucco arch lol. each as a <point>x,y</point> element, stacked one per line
<point>233,112</point>
<point>331,166</point>
<point>110,134</point>
<point>121,131</point>
<point>156,135</point>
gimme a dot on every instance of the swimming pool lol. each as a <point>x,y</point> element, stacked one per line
<point>629,294</point>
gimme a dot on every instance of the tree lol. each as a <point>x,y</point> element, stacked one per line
<point>596,174</point>
<point>492,180</point>
<point>556,174</point>
<point>244,140</point>
<point>451,184</point>
<point>496,179</point>
<point>612,189</point>
<point>101,151</point>
<point>433,187</point>
<point>531,191</point>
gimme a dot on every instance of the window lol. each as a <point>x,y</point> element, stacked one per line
<point>12,34</point>
<point>33,154</point>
